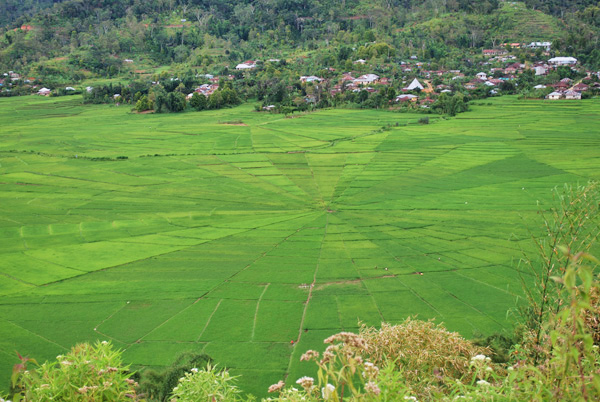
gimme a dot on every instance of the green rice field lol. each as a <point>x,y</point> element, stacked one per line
<point>183,232</point>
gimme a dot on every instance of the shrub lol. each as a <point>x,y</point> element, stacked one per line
<point>208,384</point>
<point>86,373</point>
<point>158,385</point>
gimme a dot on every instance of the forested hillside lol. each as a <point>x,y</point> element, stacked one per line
<point>94,35</point>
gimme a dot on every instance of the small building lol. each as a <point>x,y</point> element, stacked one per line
<point>406,98</point>
<point>581,87</point>
<point>247,65</point>
<point>360,61</point>
<point>69,89</point>
<point>494,52</point>
<point>414,85</point>
<point>366,79</point>
<point>44,92</point>
<point>563,61</point>
<point>310,78</point>
<point>540,45</point>
<point>481,76</point>
<point>572,95</point>
<point>554,95</point>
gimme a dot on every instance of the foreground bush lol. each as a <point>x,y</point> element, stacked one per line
<point>157,385</point>
<point>208,384</point>
<point>86,373</point>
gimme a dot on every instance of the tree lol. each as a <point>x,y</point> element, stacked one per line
<point>143,104</point>
<point>176,102</point>
<point>198,101</point>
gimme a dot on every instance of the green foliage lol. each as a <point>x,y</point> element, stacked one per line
<point>451,105</point>
<point>143,104</point>
<point>198,101</point>
<point>207,384</point>
<point>87,372</point>
<point>572,222</point>
<point>158,385</point>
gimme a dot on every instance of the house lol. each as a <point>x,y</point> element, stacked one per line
<point>414,85</point>
<point>563,61</point>
<point>384,81</point>
<point>554,95</point>
<point>366,79</point>
<point>89,89</point>
<point>360,61</point>
<point>247,65</point>
<point>540,45</point>
<point>473,84</point>
<point>207,89</point>
<point>581,87</point>
<point>540,70</point>
<point>481,76</point>
<point>44,92</point>
<point>310,78</point>
<point>494,52</point>
<point>269,107</point>
<point>347,77</point>
<point>128,61</point>
<point>406,98</point>
<point>539,87</point>
<point>560,86</point>
<point>572,95</point>
<point>513,68</point>
<point>69,89</point>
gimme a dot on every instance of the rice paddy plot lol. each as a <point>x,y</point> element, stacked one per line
<point>173,233</point>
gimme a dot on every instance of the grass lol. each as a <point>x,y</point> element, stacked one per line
<point>236,240</point>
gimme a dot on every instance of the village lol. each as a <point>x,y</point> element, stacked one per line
<point>411,82</point>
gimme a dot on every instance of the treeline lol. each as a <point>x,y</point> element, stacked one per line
<point>167,98</point>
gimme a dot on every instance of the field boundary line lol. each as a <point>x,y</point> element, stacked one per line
<point>256,312</point>
<point>35,334</point>
<point>310,291</point>
<point>208,321</point>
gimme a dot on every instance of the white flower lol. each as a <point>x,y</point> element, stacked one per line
<point>104,342</point>
<point>478,358</point>
<point>306,383</point>
<point>372,387</point>
<point>327,391</point>
<point>488,369</point>
<point>483,382</point>
<point>410,398</point>
<point>194,370</point>
<point>511,368</point>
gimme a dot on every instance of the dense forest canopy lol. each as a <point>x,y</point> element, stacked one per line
<point>95,35</point>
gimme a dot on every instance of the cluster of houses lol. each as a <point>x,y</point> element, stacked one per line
<point>204,89</point>
<point>564,89</point>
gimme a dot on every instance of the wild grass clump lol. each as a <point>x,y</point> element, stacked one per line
<point>86,373</point>
<point>423,351</point>
<point>207,384</point>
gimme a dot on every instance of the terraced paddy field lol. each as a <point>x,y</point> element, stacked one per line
<point>170,233</point>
